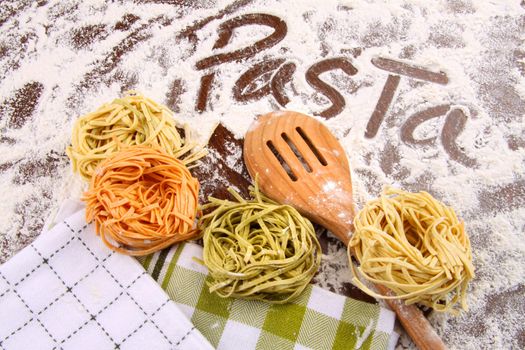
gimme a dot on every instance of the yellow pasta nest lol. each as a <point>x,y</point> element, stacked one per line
<point>416,246</point>
<point>142,200</point>
<point>130,120</point>
<point>258,249</point>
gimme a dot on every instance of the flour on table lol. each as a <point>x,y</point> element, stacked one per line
<point>59,60</point>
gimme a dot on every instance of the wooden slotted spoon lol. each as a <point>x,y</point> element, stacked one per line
<point>299,162</point>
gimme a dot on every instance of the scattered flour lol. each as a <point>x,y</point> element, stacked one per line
<point>54,48</point>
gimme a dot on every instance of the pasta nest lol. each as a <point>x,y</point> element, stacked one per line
<point>414,245</point>
<point>142,199</point>
<point>258,249</point>
<point>127,121</point>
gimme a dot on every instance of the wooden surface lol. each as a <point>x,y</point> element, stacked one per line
<point>299,162</point>
<point>404,97</point>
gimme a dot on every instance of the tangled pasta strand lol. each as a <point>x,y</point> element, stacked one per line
<point>258,249</point>
<point>142,200</point>
<point>130,120</point>
<point>416,246</point>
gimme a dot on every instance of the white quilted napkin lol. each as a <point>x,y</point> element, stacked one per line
<point>68,291</point>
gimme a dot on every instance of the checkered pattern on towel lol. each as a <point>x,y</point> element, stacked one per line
<point>68,291</point>
<point>319,319</point>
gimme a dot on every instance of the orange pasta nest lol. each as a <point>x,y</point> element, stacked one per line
<point>142,200</point>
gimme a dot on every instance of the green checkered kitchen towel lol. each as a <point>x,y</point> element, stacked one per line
<point>319,319</point>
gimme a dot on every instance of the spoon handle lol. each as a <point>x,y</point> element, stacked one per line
<point>410,316</point>
<point>414,323</point>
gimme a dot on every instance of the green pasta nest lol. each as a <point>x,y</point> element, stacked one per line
<point>258,249</point>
